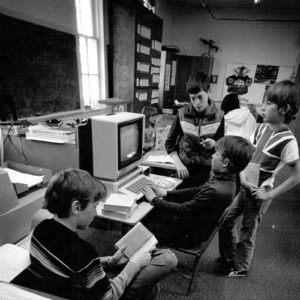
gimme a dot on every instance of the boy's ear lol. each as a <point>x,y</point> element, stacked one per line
<point>226,162</point>
<point>284,111</point>
<point>75,207</point>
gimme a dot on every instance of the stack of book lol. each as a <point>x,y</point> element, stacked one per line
<point>119,206</point>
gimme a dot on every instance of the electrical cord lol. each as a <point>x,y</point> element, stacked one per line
<point>10,128</point>
<point>26,160</point>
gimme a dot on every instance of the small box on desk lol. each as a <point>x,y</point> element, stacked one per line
<point>21,187</point>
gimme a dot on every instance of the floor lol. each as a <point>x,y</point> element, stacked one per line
<point>275,272</point>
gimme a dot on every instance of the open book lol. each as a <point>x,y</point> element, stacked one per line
<point>139,238</point>
<point>13,261</point>
<point>160,157</point>
<point>252,173</point>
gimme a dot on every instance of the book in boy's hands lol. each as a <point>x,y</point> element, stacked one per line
<point>139,238</point>
<point>120,203</point>
<point>252,173</point>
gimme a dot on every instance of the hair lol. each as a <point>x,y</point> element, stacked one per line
<point>230,102</point>
<point>285,94</point>
<point>69,185</point>
<point>198,82</point>
<point>149,111</point>
<point>237,149</point>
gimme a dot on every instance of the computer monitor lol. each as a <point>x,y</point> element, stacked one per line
<point>111,145</point>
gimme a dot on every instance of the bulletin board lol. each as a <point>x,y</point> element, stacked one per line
<point>38,67</point>
<point>251,80</point>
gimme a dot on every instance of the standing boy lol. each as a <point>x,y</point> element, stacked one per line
<point>193,124</point>
<point>65,265</point>
<point>186,217</point>
<point>275,146</point>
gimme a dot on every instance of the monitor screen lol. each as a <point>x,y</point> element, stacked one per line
<point>129,142</point>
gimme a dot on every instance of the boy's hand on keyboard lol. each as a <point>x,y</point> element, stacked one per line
<point>160,192</point>
<point>148,193</point>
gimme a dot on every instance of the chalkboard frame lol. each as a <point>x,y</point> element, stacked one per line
<point>38,67</point>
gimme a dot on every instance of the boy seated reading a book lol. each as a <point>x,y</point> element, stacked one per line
<point>65,265</point>
<point>185,217</point>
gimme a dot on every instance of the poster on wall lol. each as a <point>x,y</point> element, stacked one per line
<point>250,81</point>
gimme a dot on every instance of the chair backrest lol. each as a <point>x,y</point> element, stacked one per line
<point>198,250</point>
<point>217,227</point>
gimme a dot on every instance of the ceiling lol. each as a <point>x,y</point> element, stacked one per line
<point>246,10</point>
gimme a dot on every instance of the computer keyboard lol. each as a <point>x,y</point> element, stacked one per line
<point>135,186</point>
<point>138,185</point>
<point>162,183</point>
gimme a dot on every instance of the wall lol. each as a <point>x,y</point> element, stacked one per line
<point>273,43</point>
<point>123,54</point>
<point>58,14</point>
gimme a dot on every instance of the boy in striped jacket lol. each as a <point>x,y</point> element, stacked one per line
<point>275,146</point>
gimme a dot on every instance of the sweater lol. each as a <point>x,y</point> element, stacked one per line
<point>197,209</point>
<point>69,265</point>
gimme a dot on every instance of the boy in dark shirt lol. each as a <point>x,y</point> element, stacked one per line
<point>67,266</point>
<point>186,217</point>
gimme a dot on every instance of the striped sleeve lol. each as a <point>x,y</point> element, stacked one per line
<point>290,153</point>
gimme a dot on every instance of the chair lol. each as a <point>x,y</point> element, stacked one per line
<point>198,252</point>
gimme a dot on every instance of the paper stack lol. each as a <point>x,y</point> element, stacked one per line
<point>119,206</point>
<point>49,134</point>
<point>24,178</point>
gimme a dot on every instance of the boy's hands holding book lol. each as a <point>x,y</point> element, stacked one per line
<point>142,258</point>
<point>119,258</point>
<point>139,242</point>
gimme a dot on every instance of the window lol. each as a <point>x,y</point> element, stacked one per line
<point>90,26</point>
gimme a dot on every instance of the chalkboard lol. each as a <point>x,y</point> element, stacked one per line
<point>38,67</point>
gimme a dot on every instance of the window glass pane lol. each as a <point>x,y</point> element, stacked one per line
<point>86,17</point>
<point>83,55</point>
<point>94,90</point>
<point>86,90</point>
<point>78,16</point>
<point>93,56</point>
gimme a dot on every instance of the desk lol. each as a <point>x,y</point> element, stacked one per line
<point>142,209</point>
<point>13,291</point>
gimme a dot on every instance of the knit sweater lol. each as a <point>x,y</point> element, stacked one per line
<point>65,261</point>
<point>198,209</point>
